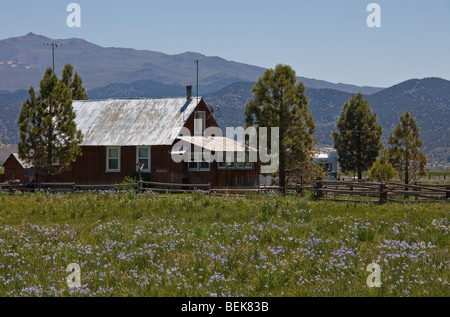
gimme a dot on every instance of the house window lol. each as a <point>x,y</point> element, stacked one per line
<point>197,163</point>
<point>113,159</point>
<point>234,164</point>
<point>143,157</point>
<point>199,122</point>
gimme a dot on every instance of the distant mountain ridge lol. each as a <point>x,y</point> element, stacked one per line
<point>24,59</point>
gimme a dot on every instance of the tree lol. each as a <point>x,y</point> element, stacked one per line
<point>280,101</point>
<point>404,153</point>
<point>74,82</point>
<point>382,169</point>
<point>358,140</point>
<point>49,139</point>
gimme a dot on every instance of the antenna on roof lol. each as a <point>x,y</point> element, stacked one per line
<point>196,61</point>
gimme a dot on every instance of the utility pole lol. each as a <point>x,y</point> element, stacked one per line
<point>53,44</point>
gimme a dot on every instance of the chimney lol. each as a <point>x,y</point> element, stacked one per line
<point>189,92</point>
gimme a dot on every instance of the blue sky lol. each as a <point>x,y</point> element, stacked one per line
<point>322,39</point>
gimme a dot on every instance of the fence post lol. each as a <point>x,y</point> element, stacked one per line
<point>383,193</point>
<point>416,190</point>
<point>319,186</point>
<point>447,194</point>
<point>140,190</point>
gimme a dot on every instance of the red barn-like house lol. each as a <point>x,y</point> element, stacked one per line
<point>120,133</point>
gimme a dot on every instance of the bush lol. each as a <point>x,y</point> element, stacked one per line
<point>382,170</point>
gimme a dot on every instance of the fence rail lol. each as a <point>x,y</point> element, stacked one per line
<point>384,191</point>
<point>322,189</point>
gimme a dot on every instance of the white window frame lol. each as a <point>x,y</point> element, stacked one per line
<point>109,170</point>
<point>149,158</point>
<point>235,165</point>
<point>200,115</point>
<point>198,159</point>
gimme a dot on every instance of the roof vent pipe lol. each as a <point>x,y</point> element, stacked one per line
<point>189,92</point>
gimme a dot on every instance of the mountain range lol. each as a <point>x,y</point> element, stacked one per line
<point>226,85</point>
<point>24,59</point>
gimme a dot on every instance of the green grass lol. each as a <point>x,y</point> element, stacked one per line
<point>195,245</point>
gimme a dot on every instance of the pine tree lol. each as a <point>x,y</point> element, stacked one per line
<point>49,138</point>
<point>280,101</point>
<point>74,82</point>
<point>404,151</point>
<point>358,140</point>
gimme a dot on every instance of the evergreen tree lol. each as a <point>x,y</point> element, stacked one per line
<point>49,138</point>
<point>280,101</point>
<point>404,151</point>
<point>74,82</point>
<point>358,140</point>
<point>382,169</point>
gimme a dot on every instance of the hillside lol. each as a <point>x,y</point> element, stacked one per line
<point>427,99</point>
<point>24,59</point>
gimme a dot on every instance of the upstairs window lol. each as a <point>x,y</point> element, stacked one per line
<point>199,122</point>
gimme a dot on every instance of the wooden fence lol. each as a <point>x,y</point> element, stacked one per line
<point>380,192</point>
<point>322,189</point>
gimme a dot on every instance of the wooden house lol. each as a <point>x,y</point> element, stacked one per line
<point>118,134</point>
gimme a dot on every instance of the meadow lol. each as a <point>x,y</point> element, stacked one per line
<point>197,245</point>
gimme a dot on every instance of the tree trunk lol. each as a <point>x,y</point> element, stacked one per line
<point>359,173</point>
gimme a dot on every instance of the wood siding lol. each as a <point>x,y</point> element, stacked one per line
<point>13,169</point>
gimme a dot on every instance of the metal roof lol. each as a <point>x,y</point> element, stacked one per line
<point>131,122</point>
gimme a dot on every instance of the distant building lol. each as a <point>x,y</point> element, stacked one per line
<point>328,158</point>
<point>15,168</point>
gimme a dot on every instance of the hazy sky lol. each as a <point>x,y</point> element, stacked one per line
<point>322,39</point>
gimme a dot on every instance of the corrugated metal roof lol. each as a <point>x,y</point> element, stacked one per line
<point>128,122</point>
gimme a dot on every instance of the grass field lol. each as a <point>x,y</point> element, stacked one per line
<point>194,245</point>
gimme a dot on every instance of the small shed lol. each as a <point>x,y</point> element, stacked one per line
<point>15,168</point>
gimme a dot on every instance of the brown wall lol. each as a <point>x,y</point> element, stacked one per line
<point>224,177</point>
<point>210,121</point>
<point>13,169</point>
